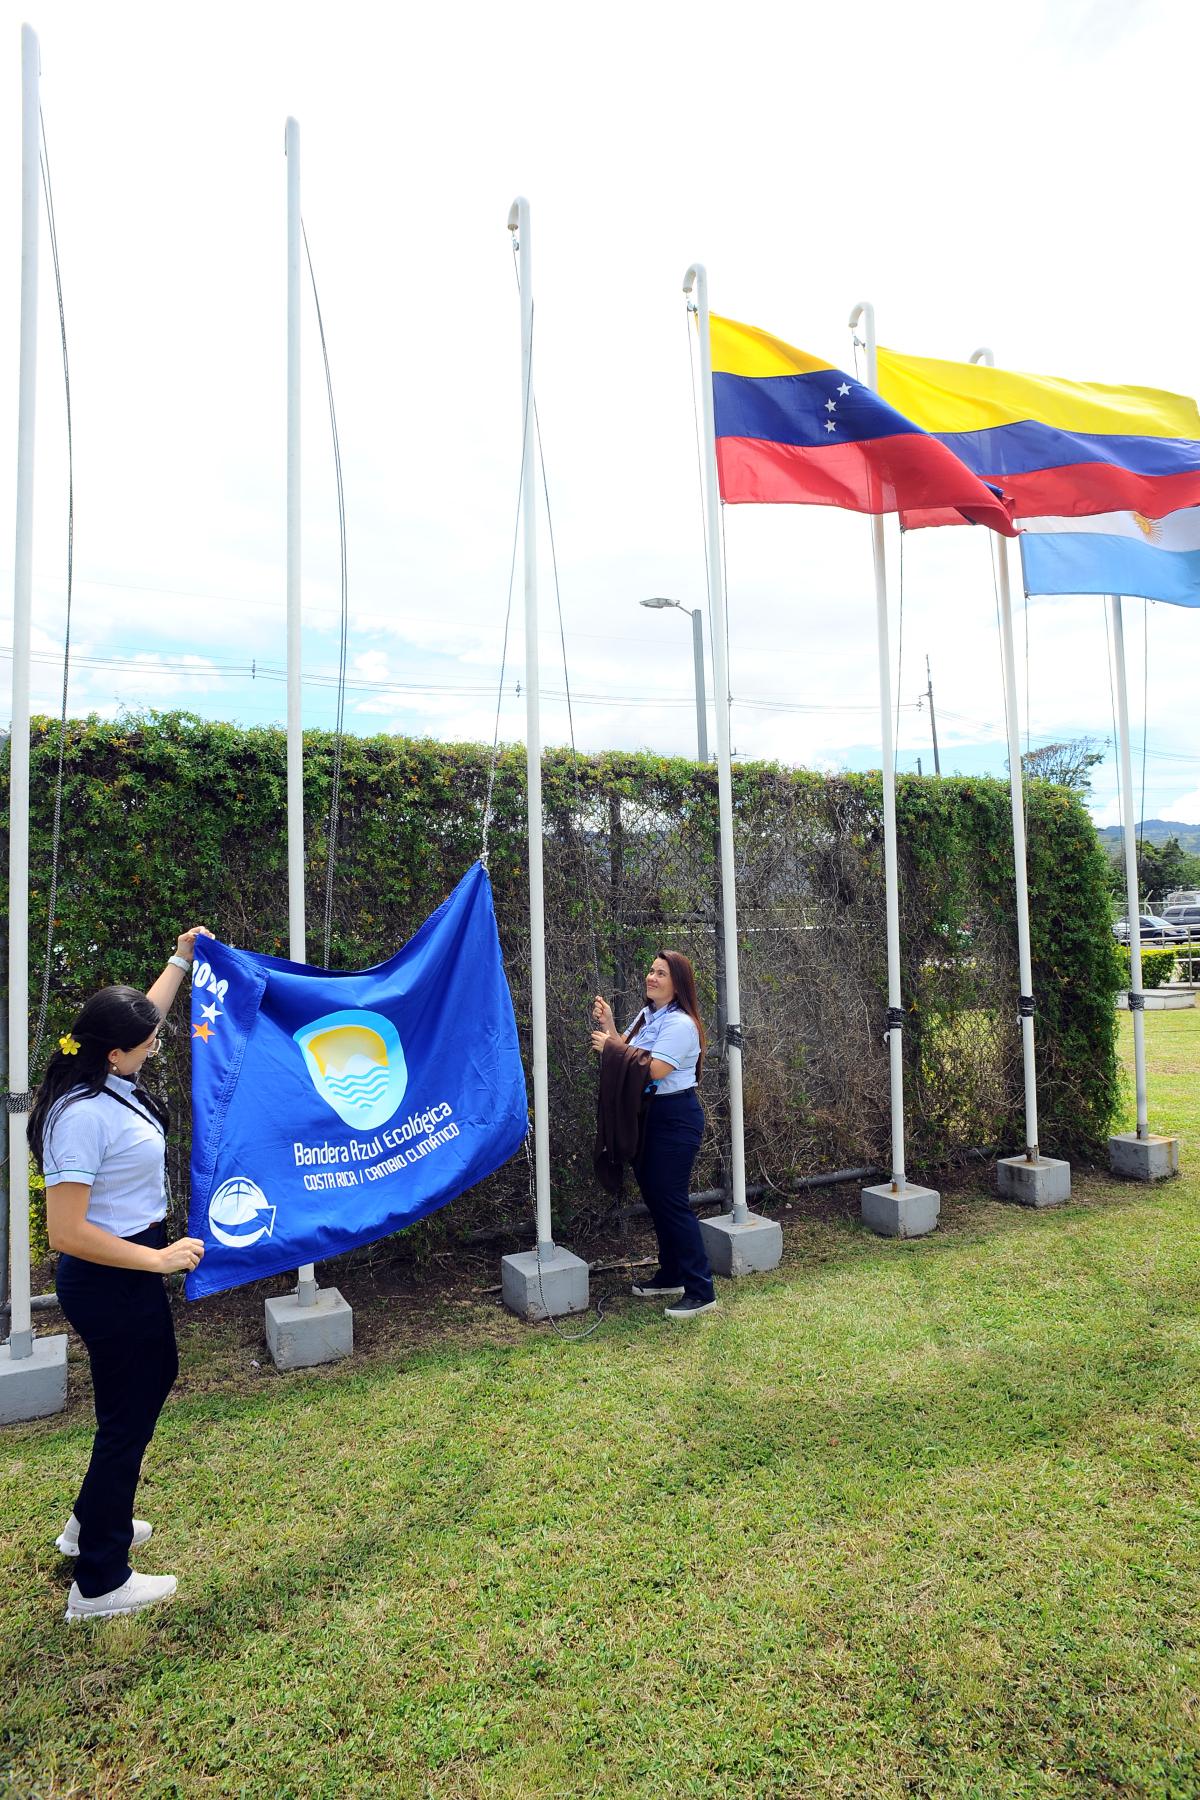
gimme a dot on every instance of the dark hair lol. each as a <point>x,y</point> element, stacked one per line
<point>117,1018</point>
<point>683,980</point>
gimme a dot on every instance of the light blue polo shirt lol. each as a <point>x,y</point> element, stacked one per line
<point>670,1035</point>
<point>120,1155</point>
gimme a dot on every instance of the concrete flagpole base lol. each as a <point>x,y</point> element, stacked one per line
<point>905,1212</point>
<point>1044,1181</point>
<point>545,1289</point>
<point>301,1337</point>
<point>32,1387</point>
<point>1143,1159</point>
<point>748,1246</point>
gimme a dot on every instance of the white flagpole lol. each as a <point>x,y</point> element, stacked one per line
<point>518,221</point>
<point>739,1242</point>
<point>895,1007</point>
<point>549,1280</point>
<point>20,1343</point>
<point>1132,898</point>
<point>306,1290</point>
<point>899,1208</point>
<point>313,1325</point>
<point>1033,1179</point>
<point>866,312</point>
<point>1016,789</point>
<point>697,279</point>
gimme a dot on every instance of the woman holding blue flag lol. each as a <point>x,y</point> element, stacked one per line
<point>100,1140</point>
<point>670,1030</point>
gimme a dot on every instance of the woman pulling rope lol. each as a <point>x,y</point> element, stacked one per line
<point>669,1028</point>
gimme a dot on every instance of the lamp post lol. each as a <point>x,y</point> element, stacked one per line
<point>658,604</point>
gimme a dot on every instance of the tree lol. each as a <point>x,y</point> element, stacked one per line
<point>1068,764</point>
<point>1162,867</point>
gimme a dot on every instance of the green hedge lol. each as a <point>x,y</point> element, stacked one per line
<point>39,1243</point>
<point>169,820</point>
<point>1158,965</point>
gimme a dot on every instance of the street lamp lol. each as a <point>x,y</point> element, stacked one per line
<point>658,604</point>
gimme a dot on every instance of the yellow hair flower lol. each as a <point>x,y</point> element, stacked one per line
<point>68,1045</point>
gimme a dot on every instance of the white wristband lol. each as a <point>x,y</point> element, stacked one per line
<point>178,962</point>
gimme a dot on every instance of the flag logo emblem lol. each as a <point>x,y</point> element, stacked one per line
<point>239,1213</point>
<point>356,1063</point>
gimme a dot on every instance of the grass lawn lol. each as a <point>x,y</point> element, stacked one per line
<point>901,1520</point>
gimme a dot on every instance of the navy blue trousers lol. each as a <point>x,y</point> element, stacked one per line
<point>125,1322</point>
<point>674,1127</point>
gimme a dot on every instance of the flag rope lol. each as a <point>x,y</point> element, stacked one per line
<point>692,310</point>
<point>56,828</point>
<point>1112,700</point>
<point>562,638</point>
<point>340,713</point>
<point>999,628</point>
<point>899,661</point>
<point>512,572</point>
<point>1145,717</point>
<point>725,584</point>
<point>531,399</point>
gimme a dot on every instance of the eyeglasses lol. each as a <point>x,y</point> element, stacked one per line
<point>152,1049</point>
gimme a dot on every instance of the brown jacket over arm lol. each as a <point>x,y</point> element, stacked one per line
<point>624,1075</point>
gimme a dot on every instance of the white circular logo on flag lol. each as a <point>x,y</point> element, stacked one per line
<point>239,1213</point>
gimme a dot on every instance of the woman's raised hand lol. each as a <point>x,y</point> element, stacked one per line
<point>185,943</point>
<point>183,1254</point>
<point>599,1039</point>
<point>602,1013</point>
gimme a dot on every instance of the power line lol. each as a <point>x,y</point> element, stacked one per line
<point>276,675</point>
<point>216,672</point>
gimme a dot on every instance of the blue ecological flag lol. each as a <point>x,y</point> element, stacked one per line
<point>330,1109</point>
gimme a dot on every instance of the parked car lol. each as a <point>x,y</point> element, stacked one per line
<point>1151,929</point>
<point>1185,918</point>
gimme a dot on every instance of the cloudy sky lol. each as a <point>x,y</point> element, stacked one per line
<point>1012,176</point>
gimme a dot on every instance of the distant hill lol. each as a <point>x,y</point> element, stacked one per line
<point>1156,831</point>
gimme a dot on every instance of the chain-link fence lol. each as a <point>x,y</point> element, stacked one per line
<point>630,873</point>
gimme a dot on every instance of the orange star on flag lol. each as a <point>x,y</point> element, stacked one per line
<point>202,1031</point>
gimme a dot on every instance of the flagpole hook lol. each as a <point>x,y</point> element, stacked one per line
<point>866,312</point>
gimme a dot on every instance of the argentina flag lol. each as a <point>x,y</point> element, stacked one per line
<point>331,1108</point>
<point>1115,553</point>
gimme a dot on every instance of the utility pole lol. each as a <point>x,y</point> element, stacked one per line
<point>937,764</point>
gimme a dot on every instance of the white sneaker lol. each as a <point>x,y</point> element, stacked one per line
<point>67,1543</point>
<point>132,1595</point>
